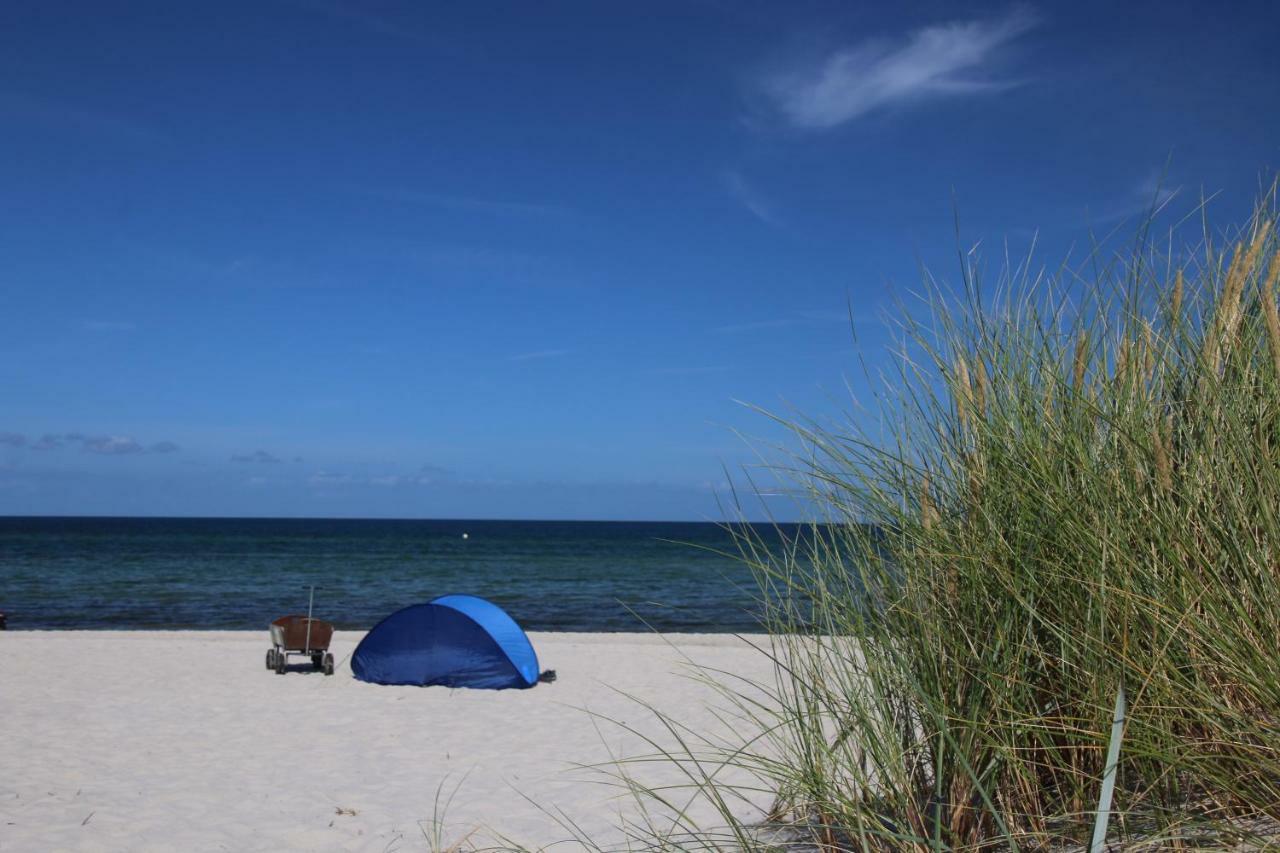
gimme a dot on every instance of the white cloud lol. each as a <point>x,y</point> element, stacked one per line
<point>112,445</point>
<point>259,456</point>
<point>328,478</point>
<point>430,474</point>
<point>944,60</point>
<point>427,475</point>
<point>107,445</point>
<point>48,441</point>
<point>1147,198</point>
<point>747,195</point>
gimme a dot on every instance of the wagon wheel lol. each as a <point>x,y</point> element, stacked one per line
<point>317,660</point>
<point>282,661</point>
<point>271,658</point>
<point>328,664</point>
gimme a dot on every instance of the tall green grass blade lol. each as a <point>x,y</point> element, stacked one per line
<point>1097,844</point>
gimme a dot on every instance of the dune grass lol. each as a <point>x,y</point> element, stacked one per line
<point>1076,491</point>
<point>1071,492</point>
<point>1069,507</point>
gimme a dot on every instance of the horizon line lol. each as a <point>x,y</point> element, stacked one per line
<point>9,517</point>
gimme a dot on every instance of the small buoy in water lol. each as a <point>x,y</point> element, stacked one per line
<point>466,536</point>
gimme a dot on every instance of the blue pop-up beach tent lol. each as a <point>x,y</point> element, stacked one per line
<point>454,641</point>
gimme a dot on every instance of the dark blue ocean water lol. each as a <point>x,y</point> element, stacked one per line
<point>241,573</point>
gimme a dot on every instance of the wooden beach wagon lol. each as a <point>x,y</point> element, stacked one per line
<point>301,636</point>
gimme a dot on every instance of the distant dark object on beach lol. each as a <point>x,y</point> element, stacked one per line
<point>3,625</point>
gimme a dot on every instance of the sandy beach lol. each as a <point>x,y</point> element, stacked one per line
<point>169,741</point>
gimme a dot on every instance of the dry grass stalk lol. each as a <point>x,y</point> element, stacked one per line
<point>1175,303</point>
<point>1093,536</point>
<point>1080,362</point>
<point>928,512</point>
<point>981,388</point>
<point>1272,317</point>
<point>1228,305</point>
<point>1148,351</point>
<point>1260,237</point>
<point>1273,276</point>
<point>963,394</point>
<point>1160,438</point>
<point>1248,269</point>
<point>1122,361</point>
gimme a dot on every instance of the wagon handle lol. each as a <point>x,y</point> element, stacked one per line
<point>310,601</point>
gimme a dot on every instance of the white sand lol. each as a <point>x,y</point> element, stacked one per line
<point>170,741</point>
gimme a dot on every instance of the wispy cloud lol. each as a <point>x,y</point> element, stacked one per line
<point>1148,196</point>
<point>817,317</point>
<point>371,22</point>
<point>108,326</point>
<point>539,355</point>
<point>259,457</point>
<point>329,478</point>
<point>944,60</point>
<point>73,118</point>
<point>427,475</point>
<point>112,445</point>
<point>48,441</point>
<point>687,371</point>
<point>747,196</point>
<point>464,202</point>
<point>485,263</point>
<point>754,326</point>
<point>106,445</point>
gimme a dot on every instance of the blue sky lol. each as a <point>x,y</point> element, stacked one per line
<point>518,260</point>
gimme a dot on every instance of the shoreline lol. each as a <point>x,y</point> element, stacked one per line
<point>348,632</point>
<point>152,739</point>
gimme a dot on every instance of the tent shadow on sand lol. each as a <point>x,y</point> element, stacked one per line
<point>451,641</point>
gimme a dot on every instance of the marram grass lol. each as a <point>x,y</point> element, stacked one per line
<point>1073,485</point>
<point>1077,488</point>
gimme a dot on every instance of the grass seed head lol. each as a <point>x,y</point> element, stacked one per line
<point>980,389</point>
<point>1175,302</point>
<point>1080,362</point>
<point>1273,276</point>
<point>1160,447</point>
<point>1272,318</point>
<point>963,393</point>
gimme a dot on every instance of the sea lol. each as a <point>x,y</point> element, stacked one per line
<point>223,573</point>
